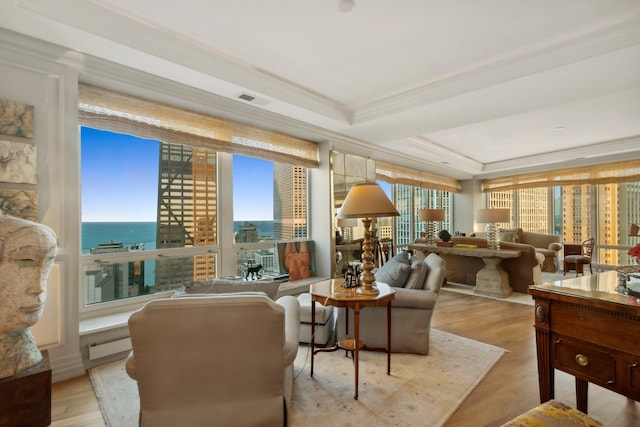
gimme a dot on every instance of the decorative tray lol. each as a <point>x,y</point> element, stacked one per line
<point>629,280</point>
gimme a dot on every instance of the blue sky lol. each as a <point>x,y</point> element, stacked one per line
<point>120,180</point>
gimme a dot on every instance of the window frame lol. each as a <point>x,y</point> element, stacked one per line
<point>275,147</point>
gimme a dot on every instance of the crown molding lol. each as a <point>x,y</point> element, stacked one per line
<point>602,152</point>
<point>180,57</point>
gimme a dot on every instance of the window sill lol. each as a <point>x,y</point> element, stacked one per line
<point>120,319</point>
<point>104,323</point>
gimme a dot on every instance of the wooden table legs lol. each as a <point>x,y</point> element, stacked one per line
<point>352,346</point>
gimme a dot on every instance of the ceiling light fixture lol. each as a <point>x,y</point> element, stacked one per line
<point>346,5</point>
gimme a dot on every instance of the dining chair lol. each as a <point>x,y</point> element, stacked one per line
<point>577,255</point>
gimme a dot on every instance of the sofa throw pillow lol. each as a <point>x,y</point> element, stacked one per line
<point>507,236</point>
<point>511,235</point>
<point>417,275</point>
<point>402,257</point>
<point>395,271</point>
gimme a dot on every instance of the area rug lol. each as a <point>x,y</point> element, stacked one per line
<point>421,390</point>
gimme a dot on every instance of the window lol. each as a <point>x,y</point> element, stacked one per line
<point>140,197</point>
<point>151,200</point>
<point>269,205</point>
<point>408,200</point>
<point>577,212</point>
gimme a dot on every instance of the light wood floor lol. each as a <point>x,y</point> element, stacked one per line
<point>508,390</point>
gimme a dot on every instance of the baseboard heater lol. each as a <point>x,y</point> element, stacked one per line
<point>96,351</point>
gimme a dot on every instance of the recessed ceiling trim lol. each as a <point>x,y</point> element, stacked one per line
<point>437,154</point>
<point>621,32</point>
<point>629,146</point>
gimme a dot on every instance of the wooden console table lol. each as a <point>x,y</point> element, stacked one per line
<point>491,280</point>
<point>587,329</point>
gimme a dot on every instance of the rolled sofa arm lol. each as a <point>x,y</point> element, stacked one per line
<point>555,246</point>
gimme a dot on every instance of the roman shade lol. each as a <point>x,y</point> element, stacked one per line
<point>609,173</point>
<point>105,109</point>
<point>395,174</point>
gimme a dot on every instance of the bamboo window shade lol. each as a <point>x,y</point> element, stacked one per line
<point>117,112</point>
<point>609,173</point>
<point>395,174</point>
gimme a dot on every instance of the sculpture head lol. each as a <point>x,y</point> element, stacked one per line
<point>27,252</point>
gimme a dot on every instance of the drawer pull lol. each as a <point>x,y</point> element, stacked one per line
<point>611,382</point>
<point>582,360</point>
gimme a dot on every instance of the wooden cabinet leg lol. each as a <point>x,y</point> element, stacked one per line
<point>582,395</point>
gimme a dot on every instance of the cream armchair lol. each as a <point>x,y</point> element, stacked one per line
<point>417,287</point>
<point>214,360</point>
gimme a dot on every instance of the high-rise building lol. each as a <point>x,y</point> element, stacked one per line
<point>268,260</point>
<point>247,233</point>
<point>112,281</point>
<point>289,202</point>
<point>186,211</point>
<point>408,200</point>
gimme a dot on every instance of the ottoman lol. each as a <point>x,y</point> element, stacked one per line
<point>553,414</point>
<point>325,321</point>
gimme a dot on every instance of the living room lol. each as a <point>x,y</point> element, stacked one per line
<point>49,49</point>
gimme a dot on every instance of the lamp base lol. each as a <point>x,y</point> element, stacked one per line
<point>431,233</point>
<point>368,290</point>
<point>493,239</point>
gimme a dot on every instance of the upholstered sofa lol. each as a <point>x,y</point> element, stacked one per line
<point>523,271</point>
<point>417,287</point>
<point>215,360</point>
<point>546,244</point>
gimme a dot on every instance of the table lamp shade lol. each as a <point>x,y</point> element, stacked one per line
<point>492,215</point>
<point>431,214</point>
<point>367,201</point>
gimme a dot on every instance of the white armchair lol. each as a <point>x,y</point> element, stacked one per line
<point>214,360</point>
<point>417,287</point>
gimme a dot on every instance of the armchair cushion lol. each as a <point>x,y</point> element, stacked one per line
<point>417,274</point>
<point>395,271</point>
<point>437,270</point>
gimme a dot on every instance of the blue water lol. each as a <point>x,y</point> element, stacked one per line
<point>130,233</point>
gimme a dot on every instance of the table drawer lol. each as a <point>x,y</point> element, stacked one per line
<point>585,361</point>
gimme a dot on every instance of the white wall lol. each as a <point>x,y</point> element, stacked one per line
<point>465,203</point>
<point>29,76</point>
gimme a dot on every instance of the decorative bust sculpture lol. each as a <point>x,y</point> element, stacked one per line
<point>444,235</point>
<point>27,252</point>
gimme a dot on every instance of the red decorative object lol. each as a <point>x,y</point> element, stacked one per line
<point>635,251</point>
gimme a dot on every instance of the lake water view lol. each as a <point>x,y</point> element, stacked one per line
<point>135,233</point>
